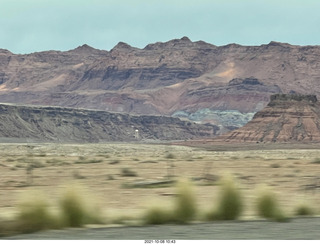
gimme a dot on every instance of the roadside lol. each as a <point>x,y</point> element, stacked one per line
<point>298,228</point>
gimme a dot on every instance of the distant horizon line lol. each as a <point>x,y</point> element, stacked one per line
<point>184,38</point>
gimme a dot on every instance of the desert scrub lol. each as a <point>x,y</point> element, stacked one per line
<point>115,161</point>
<point>76,210</point>
<point>185,202</point>
<point>149,162</point>
<point>83,160</point>
<point>158,214</point>
<point>303,210</point>
<point>183,209</point>
<point>33,214</point>
<point>267,205</point>
<point>126,172</point>
<point>275,165</point>
<point>170,156</point>
<point>230,203</point>
<point>316,161</point>
<point>55,161</point>
<point>150,184</point>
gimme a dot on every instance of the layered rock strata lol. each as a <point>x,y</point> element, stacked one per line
<point>287,118</point>
<point>162,78</point>
<point>56,124</point>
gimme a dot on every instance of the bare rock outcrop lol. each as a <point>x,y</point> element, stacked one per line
<point>287,118</point>
<point>161,79</point>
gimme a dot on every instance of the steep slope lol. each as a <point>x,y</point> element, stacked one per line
<point>287,118</point>
<point>25,123</point>
<point>196,80</point>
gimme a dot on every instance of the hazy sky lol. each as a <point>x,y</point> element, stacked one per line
<point>35,25</point>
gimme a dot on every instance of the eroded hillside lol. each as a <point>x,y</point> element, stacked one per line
<point>200,81</point>
<point>56,124</point>
<point>287,118</point>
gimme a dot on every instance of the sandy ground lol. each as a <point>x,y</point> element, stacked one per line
<point>293,173</point>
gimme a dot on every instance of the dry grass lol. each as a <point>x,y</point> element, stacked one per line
<point>158,214</point>
<point>230,202</point>
<point>268,206</point>
<point>181,210</point>
<point>34,213</point>
<point>102,164</point>
<point>185,207</point>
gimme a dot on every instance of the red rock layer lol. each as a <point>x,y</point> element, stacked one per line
<point>287,118</point>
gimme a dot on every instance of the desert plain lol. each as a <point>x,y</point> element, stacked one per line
<point>123,179</point>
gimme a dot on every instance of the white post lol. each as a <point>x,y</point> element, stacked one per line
<point>136,134</point>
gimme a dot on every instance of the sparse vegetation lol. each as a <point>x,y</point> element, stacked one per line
<point>150,184</point>
<point>83,160</point>
<point>170,156</point>
<point>275,165</point>
<point>316,161</point>
<point>73,208</point>
<point>110,177</point>
<point>185,202</point>
<point>157,215</point>
<point>127,172</point>
<point>268,206</point>
<point>149,162</point>
<point>115,161</point>
<point>304,210</point>
<point>155,173</point>
<point>183,210</point>
<point>34,215</point>
<point>230,203</point>
<point>77,175</point>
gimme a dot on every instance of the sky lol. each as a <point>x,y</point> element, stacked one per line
<point>28,26</point>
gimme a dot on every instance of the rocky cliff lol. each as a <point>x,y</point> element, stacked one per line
<point>287,118</point>
<point>56,124</point>
<point>174,77</point>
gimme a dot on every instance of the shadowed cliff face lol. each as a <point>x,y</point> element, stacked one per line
<point>23,123</point>
<point>287,118</point>
<point>162,78</point>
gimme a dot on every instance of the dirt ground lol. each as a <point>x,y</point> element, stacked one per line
<point>109,172</point>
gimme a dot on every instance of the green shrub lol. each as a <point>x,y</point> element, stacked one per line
<point>268,206</point>
<point>183,210</point>
<point>304,210</point>
<point>275,165</point>
<point>75,210</point>
<point>72,208</point>
<point>157,215</point>
<point>170,156</point>
<point>126,172</point>
<point>230,204</point>
<point>185,202</point>
<point>33,214</point>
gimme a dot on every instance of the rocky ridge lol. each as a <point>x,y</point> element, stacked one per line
<point>287,118</point>
<point>162,78</point>
<point>56,124</point>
